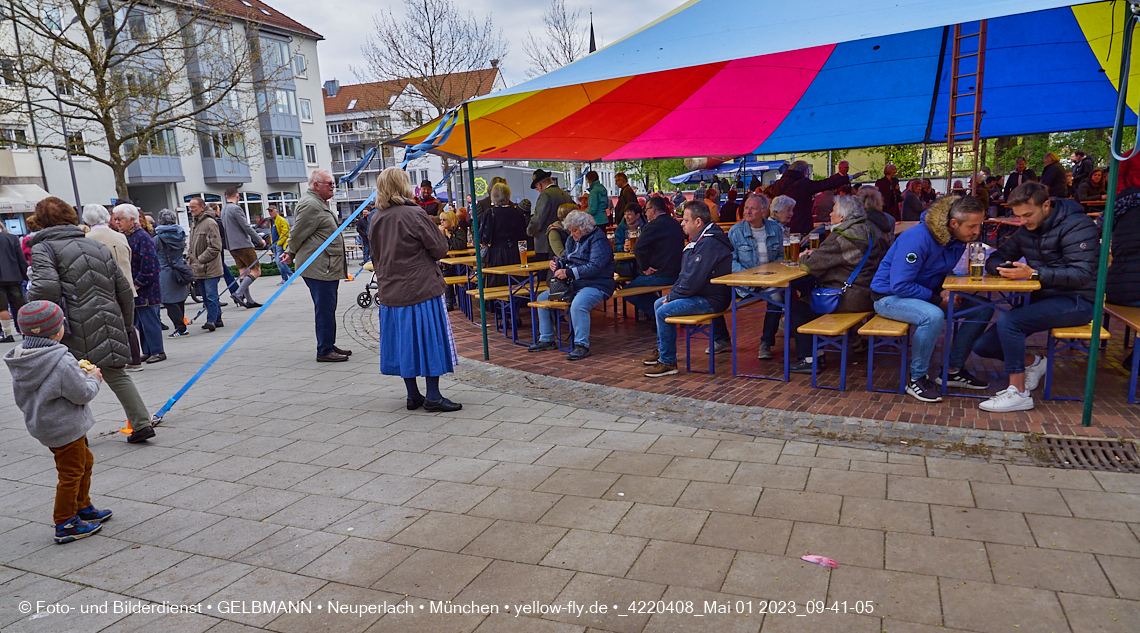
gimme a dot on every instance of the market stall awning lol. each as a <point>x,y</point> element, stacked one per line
<point>751,168</point>
<point>20,198</point>
<point>737,77</point>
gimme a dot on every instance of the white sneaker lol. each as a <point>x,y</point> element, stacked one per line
<point>1007,400</point>
<point>1034,374</point>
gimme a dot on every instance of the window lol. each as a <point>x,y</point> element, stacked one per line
<point>63,86</point>
<point>7,71</point>
<point>351,104</point>
<point>206,197</point>
<point>13,138</point>
<point>136,26</point>
<point>221,145</point>
<point>286,102</point>
<point>419,117</point>
<point>336,128</point>
<point>75,143</point>
<point>306,108</point>
<point>163,143</point>
<point>282,148</point>
<point>275,55</point>
<point>53,19</point>
<point>310,155</point>
<point>285,201</point>
<point>300,66</point>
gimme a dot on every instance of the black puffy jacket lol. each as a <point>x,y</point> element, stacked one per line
<point>99,302</point>
<point>1124,271</point>
<point>705,258</point>
<point>1064,251</point>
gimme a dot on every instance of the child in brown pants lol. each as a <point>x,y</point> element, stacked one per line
<point>53,390</point>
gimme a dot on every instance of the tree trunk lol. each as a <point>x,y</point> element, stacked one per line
<point>120,172</point>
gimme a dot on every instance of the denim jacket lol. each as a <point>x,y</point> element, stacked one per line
<point>744,244</point>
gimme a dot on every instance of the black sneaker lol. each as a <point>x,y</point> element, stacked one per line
<point>924,389</point>
<point>542,346</point>
<point>963,379</point>
<point>209,327</point>
<point>803,366</point>
<point>140,435</point>
<point>578,353</point>
<point>7,338</point>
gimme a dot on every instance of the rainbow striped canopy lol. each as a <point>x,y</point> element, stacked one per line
<point>735,77</point>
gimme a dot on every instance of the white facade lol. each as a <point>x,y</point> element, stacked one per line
<point>157,182</point>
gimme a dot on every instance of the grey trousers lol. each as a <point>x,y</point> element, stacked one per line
<point>124,388</point>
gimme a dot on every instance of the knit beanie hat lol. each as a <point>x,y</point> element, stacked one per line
<point>40,318</point>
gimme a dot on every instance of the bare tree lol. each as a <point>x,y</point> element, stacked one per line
<point>114,79</point>
<point>434,48</point>
<point>561,42</point>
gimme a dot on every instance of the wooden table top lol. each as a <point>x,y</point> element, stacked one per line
<point>622,257</point>
<point>990,283</point>
<point>771,275</point>
<point>466,260</point>
<point>458,253</point>
<point>518,269</point>
<point>902,226</point>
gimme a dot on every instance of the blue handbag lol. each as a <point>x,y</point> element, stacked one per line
<point>826,300</point>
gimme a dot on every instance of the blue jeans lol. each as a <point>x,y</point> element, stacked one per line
<point>148,322</point>
<point>584,301</point>
<point>286,271</point>
<point>667,332</point>
<point>1005,339</point>
<point>645,302</point>
<point>208,288</point>
<point>324,312</point>
<point>929,320</point>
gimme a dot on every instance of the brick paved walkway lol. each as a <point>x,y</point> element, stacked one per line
<point>619,345</point>
<point>278,479</point>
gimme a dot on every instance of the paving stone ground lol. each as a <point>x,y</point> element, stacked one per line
<point>281,482</point>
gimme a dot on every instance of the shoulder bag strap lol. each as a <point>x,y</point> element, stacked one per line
<point>862,262</point>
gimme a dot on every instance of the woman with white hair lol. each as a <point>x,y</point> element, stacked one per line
<point>98,219</point>
<point>832,264</point>
<point>588,267</point>
<point>148,292</point>
<point>415,333</point>
<point>782,209</point>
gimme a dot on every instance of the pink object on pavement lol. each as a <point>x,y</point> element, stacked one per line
<point>820,560</point>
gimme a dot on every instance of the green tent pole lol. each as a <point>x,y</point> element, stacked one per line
<point>475,230</point>
<point>1109,208</point>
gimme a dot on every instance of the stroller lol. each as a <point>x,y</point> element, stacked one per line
<point>365,298</point>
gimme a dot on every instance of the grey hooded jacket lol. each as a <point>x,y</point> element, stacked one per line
<point>53,392</point>
<point>99,301</point>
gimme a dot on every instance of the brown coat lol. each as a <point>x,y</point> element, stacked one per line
<point>406,248</point>
<point>205,251</point>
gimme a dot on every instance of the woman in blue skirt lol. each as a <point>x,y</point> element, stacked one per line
<point>415,333</point>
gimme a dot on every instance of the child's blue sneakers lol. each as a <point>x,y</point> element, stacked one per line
<point>75,529</point>
<point>91,515</point>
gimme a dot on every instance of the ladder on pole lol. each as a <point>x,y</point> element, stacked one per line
<point>963,134</point>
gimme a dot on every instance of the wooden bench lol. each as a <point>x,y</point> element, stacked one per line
<point>830,333</point>
<point>559,308</point>
<point>1131,318</point>
<point>893,338</point>
<point>456,280</point>
<point>622,293</point>
<point>500,295</point>
<point>698,323</point>
<point>1074,338</point>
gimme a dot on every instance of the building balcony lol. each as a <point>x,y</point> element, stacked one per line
<point>283,170</point>
<point>225,171</point>
<point>341,167</point>
<point>154,170</point>
<point>280,124</point>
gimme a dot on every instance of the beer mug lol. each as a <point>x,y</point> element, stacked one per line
<point>522,252</point>
<point>813,240</point>
<point>632,238</point>
<point>787,250</point>
<point>977,254</point>
<point>795,249</point>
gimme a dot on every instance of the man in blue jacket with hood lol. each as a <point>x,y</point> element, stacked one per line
<point>908,288</point>
<point>707,256</point>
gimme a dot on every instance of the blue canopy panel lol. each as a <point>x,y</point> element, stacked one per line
<point>1024,53</point>
<point>752,167</point>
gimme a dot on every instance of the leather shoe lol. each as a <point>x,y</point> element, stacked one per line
<point>342,352</point>
<point>332,357</point>
<point>140,435</point>
<point>443,406</point>
<point>252,304</point>
<point>222,304</point>
<point>578,353</point>
<point>542,346</point>
<point>415,403</point>
<point>144,358</point>
<point>219,323</point>
<point>157,358</point>
<point>209,326</point>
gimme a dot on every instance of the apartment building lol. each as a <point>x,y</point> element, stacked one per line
<point>269,163</point>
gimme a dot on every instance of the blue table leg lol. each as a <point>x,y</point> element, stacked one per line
<point>787,333</point>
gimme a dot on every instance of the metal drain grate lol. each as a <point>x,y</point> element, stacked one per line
<point>1082,454</point>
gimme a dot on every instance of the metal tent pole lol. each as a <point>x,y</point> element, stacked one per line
<point>475,230</point>
<point>1117,151</point>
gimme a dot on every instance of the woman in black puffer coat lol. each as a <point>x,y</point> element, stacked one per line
<point>1124,271</point>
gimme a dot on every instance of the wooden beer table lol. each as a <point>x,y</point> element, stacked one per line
<point>520,276</point>
<point>771,275</point>
<point>991,291</point>
<point>463,251</point>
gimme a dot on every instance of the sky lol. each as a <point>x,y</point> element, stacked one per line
<point>344,25</point>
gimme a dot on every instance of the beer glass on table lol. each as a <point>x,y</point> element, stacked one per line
<point>787,250</point>
<point>977,252</point>
<point>522,252</point>
<point>795,258</point>
<point>632,238</point>
<point>813,240</point>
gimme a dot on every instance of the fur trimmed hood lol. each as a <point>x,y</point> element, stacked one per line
<point>937,219</point>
